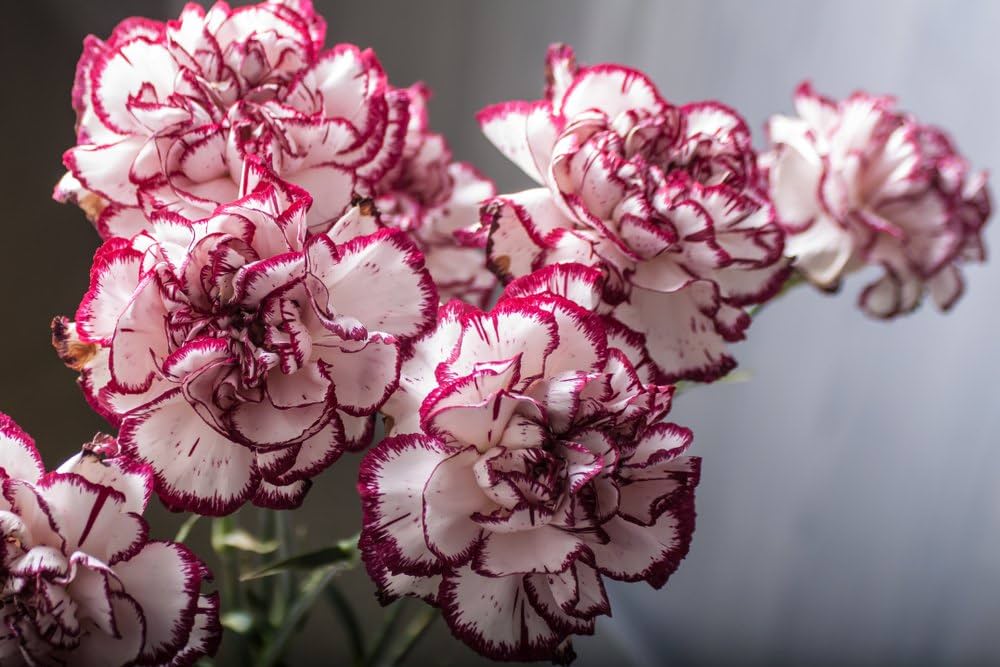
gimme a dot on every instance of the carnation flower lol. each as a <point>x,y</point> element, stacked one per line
<point>240,358</point>
<point>859,183</point>
<point>527,460</point>
<point>664,200</point>
<point>168,112</point>
<point>83,584</point>
<point>436,201</point>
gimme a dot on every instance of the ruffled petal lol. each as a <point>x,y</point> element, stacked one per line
<point>377,280</point>
<point>543,549</point>
<point>19,459</point>
<point>363,375</point>
<point>417,375</point>
<point>140,338</point>
<point>522,131</point>
<point>99,650</point>
<point>514,328</point>
<point>451,497</point>
<point>196,468</point>
<point>578,283</point>
<point>612,89</point>
<point>92,518</point>
<point>391,484</point>
<point>131,479</point>
<point>495,617</point>
<point>688,342</point>
<point>520,227</point>
<point>170,600</point>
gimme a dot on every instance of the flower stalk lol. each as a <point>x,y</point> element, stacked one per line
<point>415,631</point>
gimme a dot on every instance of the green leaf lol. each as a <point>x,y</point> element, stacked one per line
<point>342,556</point>
<point>735,377</point>
<point>239,622</point>
<point>185,530</point>
<point>241,540</point>
<point>392,619</point>
<point>348,621</point>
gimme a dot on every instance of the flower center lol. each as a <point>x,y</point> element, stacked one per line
<point>533,477</point>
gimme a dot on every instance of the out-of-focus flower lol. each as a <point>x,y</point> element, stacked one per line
<point>859,183</point>
<point>526,461</point>
<point>665,200</point>
<point>168,112</point>
<point>82,582</point>
<point>436,201</point>
<point>239,357</point>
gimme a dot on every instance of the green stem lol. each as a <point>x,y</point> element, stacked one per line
<point>229,579</point>
<point>349,622</point>
<point>283,592</point>
<point>267,529</point>
<point>415,630</point>
<point>311,589</point>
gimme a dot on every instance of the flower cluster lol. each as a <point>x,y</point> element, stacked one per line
<point>859,183</point>
<point>528,458</point>
<point>280,227</point>
<point>167,114</point>
<point>82,583</point>
<point>665,200</point>
<point>171,115</point>
<point>239,356</point>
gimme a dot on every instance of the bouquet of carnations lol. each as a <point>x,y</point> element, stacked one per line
<point>294,269</point>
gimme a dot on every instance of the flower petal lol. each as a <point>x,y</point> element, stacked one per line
<point>450,497</point>
<point>99,650</point>
<point>363,375</point>
<point>685,344</point>
<point>113,282</point>
<point>495,617</point>
<point>512,329</point>
<point>196,468</point>
<point>578,283</point>
<point>19,459</point>
<point>391,484</point>
<point>417,375</point>
<point>520,227</point>
<point>633,552</point>
<point>612,89</point>
<point>165,579</point>
<point>281,496</point>
<point>92,518</point>
<point>131,479</point>
<point>140,338</point>
<point>315,454</point>
<point>543,549</point>
<point>522,131</point>
<point>378,280</point>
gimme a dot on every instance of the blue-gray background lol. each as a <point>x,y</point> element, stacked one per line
<point>849,511</point>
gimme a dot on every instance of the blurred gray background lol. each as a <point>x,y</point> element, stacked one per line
<point>849,512</point>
